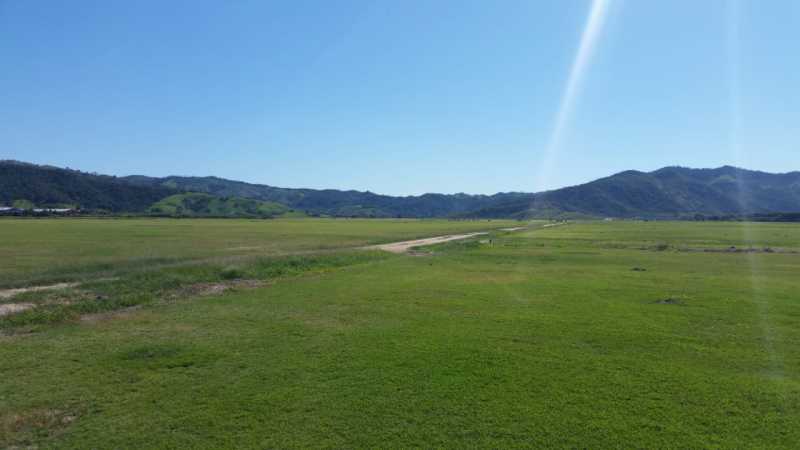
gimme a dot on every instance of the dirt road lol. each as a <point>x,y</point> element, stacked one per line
<point>404,246</point>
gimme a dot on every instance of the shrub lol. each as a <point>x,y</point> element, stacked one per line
<point>231,273</point>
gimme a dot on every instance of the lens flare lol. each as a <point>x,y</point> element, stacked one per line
<point>591,35</point>
<point>754,263</point>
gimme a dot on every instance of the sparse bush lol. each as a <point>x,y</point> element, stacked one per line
<point>231,273</point>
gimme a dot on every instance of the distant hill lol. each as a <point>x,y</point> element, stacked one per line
<point>666,193</point>
<point>333,202</point>
<point>204,205</point>
<point>46,186</point>
<point>671,192</point>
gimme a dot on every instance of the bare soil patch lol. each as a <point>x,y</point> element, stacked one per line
<point>210,289</point>
<point>8,293</point>
<point>102,317</point>
<point>669,301</point>
<point>11,308</point>
<point>734,249</point>
<point>731,249</point>
<point>405,246</point>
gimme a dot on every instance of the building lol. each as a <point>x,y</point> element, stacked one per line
<point>10,211</point>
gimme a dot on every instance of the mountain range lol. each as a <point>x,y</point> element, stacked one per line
<point>671,192</point>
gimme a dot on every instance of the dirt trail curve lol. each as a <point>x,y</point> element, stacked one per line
<point>405,246</point>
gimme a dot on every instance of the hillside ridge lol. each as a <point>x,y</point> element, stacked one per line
<point>668,192</point>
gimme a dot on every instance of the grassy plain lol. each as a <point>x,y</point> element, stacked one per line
<point>36,251</point>
<point>543,338</point>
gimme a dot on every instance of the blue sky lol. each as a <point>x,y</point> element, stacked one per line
<point>397,97</point>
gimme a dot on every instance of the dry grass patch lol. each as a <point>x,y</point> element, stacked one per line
<point>21,429</point>
<point>217,288</point>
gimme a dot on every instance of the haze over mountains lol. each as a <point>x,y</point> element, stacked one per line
<point>671,192</point>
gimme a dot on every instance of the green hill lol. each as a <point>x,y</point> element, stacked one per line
<point>333,202</point>
<point>28,185</point>
<point>204,205</point>
<point>668,193</point>
<point>671,192</point>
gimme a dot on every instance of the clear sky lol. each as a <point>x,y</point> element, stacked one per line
<point>400,97</point>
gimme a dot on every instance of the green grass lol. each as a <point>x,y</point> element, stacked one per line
<point>37,251</point>
<point>170,283</point>
<point>682,235</point>
<point>545,338</point>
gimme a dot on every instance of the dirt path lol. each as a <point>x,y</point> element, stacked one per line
<point>8,293</point>
<point>11,308</point>
<point>404,246</point>
<point>394,247</point>
<point>513,229</point>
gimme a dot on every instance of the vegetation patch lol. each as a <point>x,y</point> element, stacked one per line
<point>204,205</point>
<point>150,352</point>
<point>170,284</point>
<point>164,356</point>
<point>231,273</point>
<point>46,251</point>
<point>23,429</point>
<point>209,289</point>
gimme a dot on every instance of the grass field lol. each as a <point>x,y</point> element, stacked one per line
<point>541,338</point>
<point>48,250</point>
